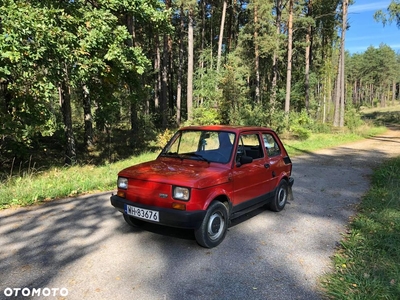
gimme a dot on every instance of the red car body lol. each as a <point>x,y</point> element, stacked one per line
<point>206,176</point>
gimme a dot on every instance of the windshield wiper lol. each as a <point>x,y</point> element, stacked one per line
<point>182,156</point>
<point>172,154</point>
<point>199,156</point>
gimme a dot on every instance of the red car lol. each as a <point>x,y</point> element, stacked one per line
<point>206,176</point>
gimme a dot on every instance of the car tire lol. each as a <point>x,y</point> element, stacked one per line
<point>280,197</point>
<point>132,221</point>
<point>213,229</point>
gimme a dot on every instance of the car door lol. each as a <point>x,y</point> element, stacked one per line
<point>249,180</point>
<point>273,159</point>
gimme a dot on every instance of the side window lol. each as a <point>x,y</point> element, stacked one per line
<point>250,146</point>
<point>271,145</point>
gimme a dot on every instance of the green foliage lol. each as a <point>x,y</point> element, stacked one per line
<point>205,115</point>
<point>352,118</point>
<point>234,90</point>
<point>46,43</point>
<point>120,62</point>
<point>367,266</point>
<point>300,125</point>
<point>372,74</point>
<point>163,138</point>
<point>392,15</point>
<point>253,115</point>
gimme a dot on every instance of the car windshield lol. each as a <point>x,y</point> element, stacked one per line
<point>211,146</point>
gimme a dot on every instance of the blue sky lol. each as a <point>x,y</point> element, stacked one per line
<point>364,31</point>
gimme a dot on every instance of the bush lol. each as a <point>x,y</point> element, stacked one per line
<point>352,119</point>
<point>163,138</point>
<point>300,125</point>
<point>300,132</point>
<point>322,128</point>
<point>205,115</point>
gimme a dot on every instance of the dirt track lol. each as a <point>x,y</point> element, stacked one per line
<point>84,246</point>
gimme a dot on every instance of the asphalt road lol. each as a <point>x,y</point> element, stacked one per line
<point>81,248</point>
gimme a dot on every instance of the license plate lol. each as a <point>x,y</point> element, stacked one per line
<point>137,212</point>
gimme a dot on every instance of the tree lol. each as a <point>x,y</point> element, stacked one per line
<point>63,47</point>
<point>122,65</point>
<point>278,13</point>
<point>289,58</point>
<point>190,66</point>
<point>221,35</point>
<point>340,82</point>
<point>392,15</point>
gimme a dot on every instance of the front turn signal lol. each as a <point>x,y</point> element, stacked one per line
<point>121,194</point>
<point>179,206</point>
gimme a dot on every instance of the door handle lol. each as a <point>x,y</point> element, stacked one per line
<point>266,166</point>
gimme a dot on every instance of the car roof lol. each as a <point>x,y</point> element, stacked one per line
<point>231,128</point>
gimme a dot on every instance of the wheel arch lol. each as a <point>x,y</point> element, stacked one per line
<point>224,199</point>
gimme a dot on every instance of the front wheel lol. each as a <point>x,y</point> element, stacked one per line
<point>213,229</point>
<point>281,196</point>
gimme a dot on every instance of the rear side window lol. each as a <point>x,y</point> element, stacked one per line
<point>271,145</point>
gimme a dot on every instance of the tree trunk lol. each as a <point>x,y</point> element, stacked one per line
<point>202,44</point>
<point>129,23</point>
<point>164,83</point>
<point>87,111</point>
<point>190,67</point>
<point>289,58</point>
<point>340,87</point>
<point>342,48</point>
<point>221,35</point>
<point>336,117</point>
<point>308,59</point>
<point>256,56</point>
<point>180,73</point>
<point>157,69</point>
<point>393,91</point>
<point>65,102</point>
<point>275,70</point>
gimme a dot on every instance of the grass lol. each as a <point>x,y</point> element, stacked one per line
<point>35,186</point>
<point>367,263</point>
<point>323,140</point>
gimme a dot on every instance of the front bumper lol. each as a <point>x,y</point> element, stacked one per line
<point>167,216</point>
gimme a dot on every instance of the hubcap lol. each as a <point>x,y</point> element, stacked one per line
<point>282,197</point>
<point>216,225</point>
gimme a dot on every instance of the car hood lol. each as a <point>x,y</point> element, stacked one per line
<point>174,171</point>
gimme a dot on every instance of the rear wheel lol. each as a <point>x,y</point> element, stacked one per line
<point>213,229</point>
<point>281,196</point>
<point>132,221</point>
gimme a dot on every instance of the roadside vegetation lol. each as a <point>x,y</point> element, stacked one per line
<point>366,264</point>
<point>34,185</point>
<point>41,179</point>
<point>367,261</point>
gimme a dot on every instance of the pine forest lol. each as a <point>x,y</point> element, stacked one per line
<point>84,80</point>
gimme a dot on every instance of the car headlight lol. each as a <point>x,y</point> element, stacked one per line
<point>122,183</point>
<point>181,193</point>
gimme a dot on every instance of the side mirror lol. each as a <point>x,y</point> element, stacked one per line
<point>244,160</point>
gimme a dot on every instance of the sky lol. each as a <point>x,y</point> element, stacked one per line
<point>364,31</point>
